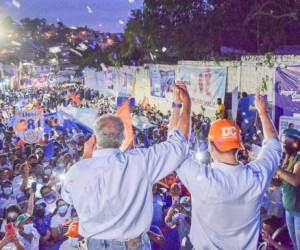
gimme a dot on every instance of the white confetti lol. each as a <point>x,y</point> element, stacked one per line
<point>54,50</point>
<point>103,66</point>
<point>57,19</point>
<point>82,47</point>
<point>121,22</point>
<point>164,49</point>
<point>131,1</point>
<point>16,43</point>
<point>76,52</point>
<point>100,24</point>
<point>16,4</point>
<point>89,9</point>
<point>152,57</point>
<point>73,27</point>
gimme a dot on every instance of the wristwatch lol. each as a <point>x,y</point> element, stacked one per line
<point>176,105</point>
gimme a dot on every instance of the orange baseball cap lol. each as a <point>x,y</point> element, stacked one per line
<point>225,134</point>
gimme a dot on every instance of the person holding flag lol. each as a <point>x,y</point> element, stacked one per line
<point>111,190</point>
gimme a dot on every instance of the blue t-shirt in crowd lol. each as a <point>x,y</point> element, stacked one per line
<point>42,225</point>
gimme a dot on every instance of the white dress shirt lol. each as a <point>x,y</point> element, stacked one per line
<point>226,199</point>
<point>112,191</point>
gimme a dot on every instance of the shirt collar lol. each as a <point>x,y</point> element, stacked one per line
<point>105,151</point>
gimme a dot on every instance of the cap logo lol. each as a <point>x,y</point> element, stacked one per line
<point>229,132</point>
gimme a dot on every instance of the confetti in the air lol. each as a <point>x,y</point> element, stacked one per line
<point>76,52</point>
<point>16,4</point>
<point>152,57</point>
<point>103,66</point>
<point>73,27</point>
<point>54,50</point>
<point>16,43</point>
<point>82,47</point>
<point>164,49</point>
<point>121,22</point>
<point>89,9</point>
<point>131,1</point>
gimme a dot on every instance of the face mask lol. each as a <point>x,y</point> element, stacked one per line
<point>61,165</point>
<point>63,209</point>
<point>48,171</point>
<point>28,228</point>
<point>40,181</point>
<point>74,242</point>
<point>7,190</point>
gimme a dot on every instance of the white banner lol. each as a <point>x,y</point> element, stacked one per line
<point>285,121</point>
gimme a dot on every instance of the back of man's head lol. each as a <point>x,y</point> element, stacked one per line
<point>109,130</point>
<point>225,138</point>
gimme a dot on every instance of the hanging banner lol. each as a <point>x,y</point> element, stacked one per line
<point>126,83</point>
<point>90,79</point>
<point>288,121</point>
<point>28,125</point>
<point>234,103</point>
<point>161,82</point>
<point>110,80</point>
<point>287,92</point>
<point>205,85</point>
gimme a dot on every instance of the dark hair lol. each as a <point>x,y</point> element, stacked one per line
<point>43,188</point>
<point>56,209</point>
<point>273,222</point>
<point>13,208</point>
<point>244,94</point>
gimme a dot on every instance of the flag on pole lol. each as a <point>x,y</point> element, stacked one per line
<point>124,113</point>
<point>75,98</point>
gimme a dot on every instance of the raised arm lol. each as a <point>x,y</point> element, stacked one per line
<point>181,110</point>
<point>164,158</point>
<point>269,130</point>
<point>268,159</point>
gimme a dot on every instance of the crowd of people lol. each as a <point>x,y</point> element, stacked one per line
<point>37,211</point>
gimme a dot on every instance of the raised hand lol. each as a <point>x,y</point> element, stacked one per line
<point>260,104</point>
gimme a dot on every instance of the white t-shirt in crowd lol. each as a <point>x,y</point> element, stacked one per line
<point>17,183</point>
<point>34,244</point>
<point>58,220</point>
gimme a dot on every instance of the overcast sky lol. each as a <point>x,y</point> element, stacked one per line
<point>105,15</point>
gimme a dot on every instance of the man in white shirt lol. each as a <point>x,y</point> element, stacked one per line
<point>227,196</point>
<point>112,190</point>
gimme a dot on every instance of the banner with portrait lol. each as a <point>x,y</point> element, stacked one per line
<point>205,85</point>
<point>161,82</point>
<point>28,125</point>
<point>287,92</point>
<point>90,78</point>
<point>110,80</point>
<point>126,82</point>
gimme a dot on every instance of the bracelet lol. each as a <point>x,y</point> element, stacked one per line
<point>176,105</point>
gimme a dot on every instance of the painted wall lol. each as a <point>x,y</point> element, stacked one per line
<point>247,74</point>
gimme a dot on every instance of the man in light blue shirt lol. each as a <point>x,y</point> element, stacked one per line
<point>227,196</point>
<point>112,190</point>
